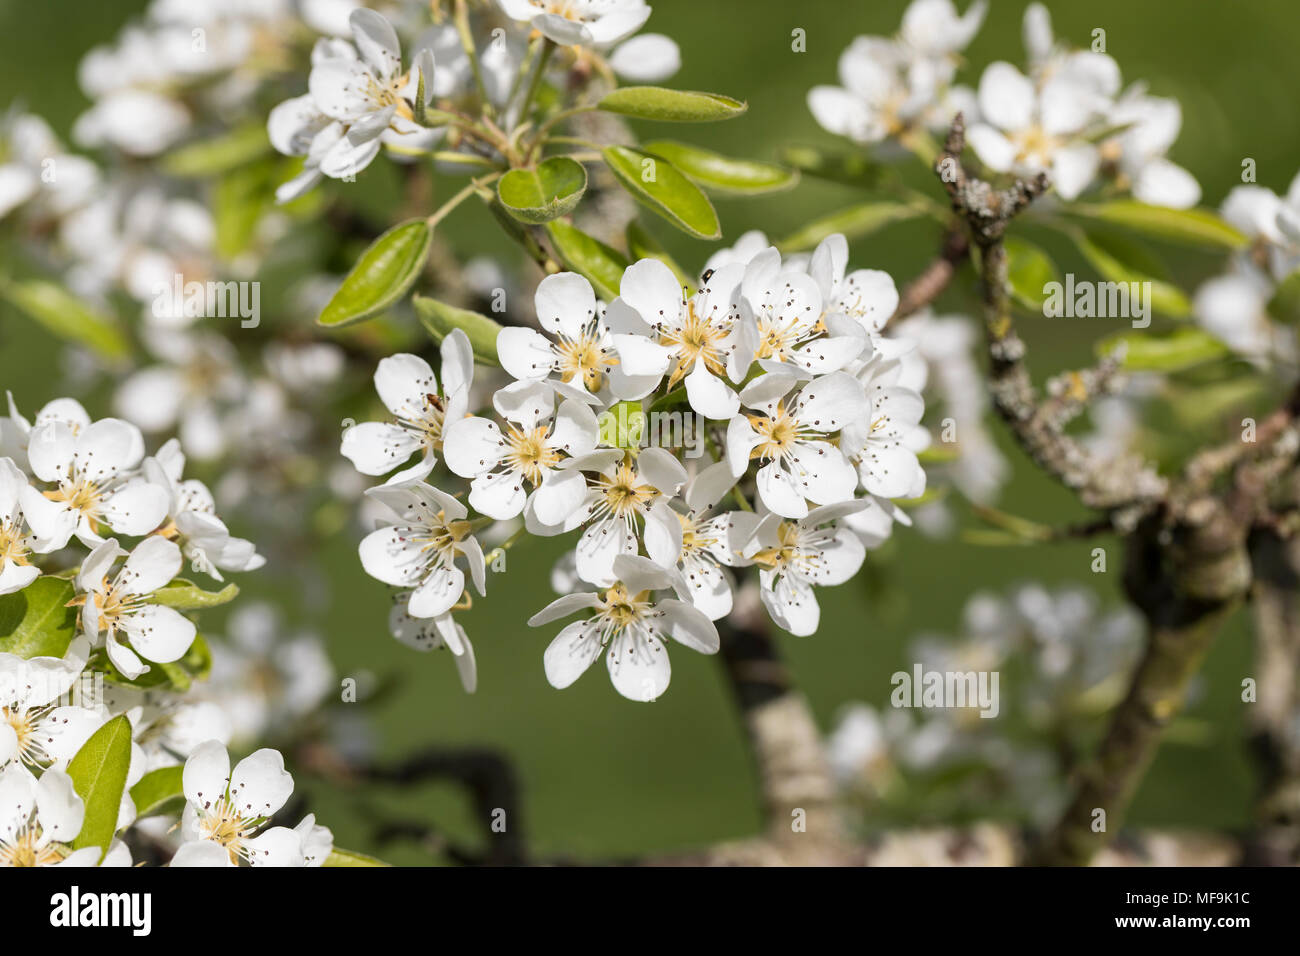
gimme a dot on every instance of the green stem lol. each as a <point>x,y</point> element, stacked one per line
<point>474,186</point>
<point>504,546</point>
<point>461,18</point>
<point>535,83</point>
<point>558,118</point>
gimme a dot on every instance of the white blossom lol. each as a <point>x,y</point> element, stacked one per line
<point>629,621</point>
<point>123,607</point>
<point>421,412</point>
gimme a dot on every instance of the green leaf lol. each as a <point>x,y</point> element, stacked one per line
<point>1194,227</point>
<point>723,174</point>
<point>36,621</point>
<point>381,276</point>
<point>674,106</point>
<point>158,791</point>
<point>187,596</point>
<point>848,168</point>
<point>439,318</point>
<point>1285,303</point>
<point>66,316</point>
<point>175,675</point>
<point>98,773</point>
<point>212,157</point>
<point>340,857</point>
<point>677,398</point>
<point>642,245</point>
<point>548,192</point>
<point>854,222</point>
<point>601,265</point>
<point>1182,349</point>
<point>1120,260</point>
<point>1029,268</point>
<point>658,185</point>
<point>239,200</point>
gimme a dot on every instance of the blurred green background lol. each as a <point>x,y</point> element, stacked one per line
<point>604,776</point>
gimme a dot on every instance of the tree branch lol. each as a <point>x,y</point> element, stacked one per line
<point>797,791</point>
<point>929,285</point>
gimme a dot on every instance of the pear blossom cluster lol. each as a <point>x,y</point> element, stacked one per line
<point>812,436</point>
<point>935,356</point>
<point>1067,114</point>
<point>363,96</point>
<point>184,61</point>
<point>1234,306</point>
<point>82,503</point>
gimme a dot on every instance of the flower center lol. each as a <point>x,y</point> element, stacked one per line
<point>786,552</point>
<point>223,823</point>
<point>390,94</point>
<point>1035,145</point>
<point>583,358</point>
<point>561,8</point>
<point>24,724</point>
<point>697,338</point>
<point>694,540</point>
<point>445,537</point>
<point>779,432</point>
<point>81,494</point>
<point>530,454</point>
<point>13,546</point>
<point>429,421</point>
<point>620,609</point>
<point>624,494</point>
<point>25,850</point>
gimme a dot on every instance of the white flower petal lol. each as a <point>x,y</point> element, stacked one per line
<point>1006,97</point>
<point>259,784</point>
<point>638,665</point>
<point>159,634</point>
<point>206,774</point>
<point>525,353</point>
<point>472,446</point>
<point>565,303</point>
<point>569,655</point>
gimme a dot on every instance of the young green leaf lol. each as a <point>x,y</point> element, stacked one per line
<point>1285,303</point>
<point>158,791</point>
<point>341,857</point>
<point>187,596</point>
<point>1194,227</point>
<point>854,222</point>
<point>66,316</point>
<point>175,675</point>
<point>1119,260</point>
<point>658,185</point>
<point>439,318</point>
<point>1029,269</point>
<point>848,168</point>
<point>723,174</point>
<point>98,773</point>
<point>212,157</point>
<point>381,276</point>
<point>539,195</point>
<point>1182,349</point>
<point>674,106</point>
<point>240,198</point>
<point>36,621</point>
<point>601,265</point>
